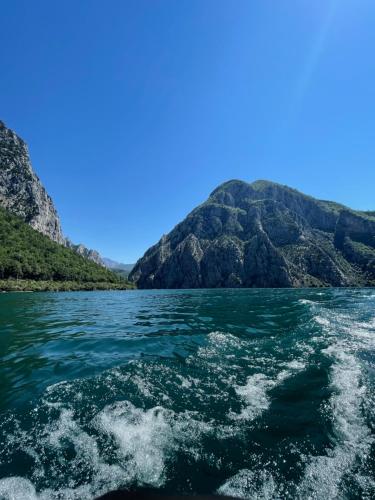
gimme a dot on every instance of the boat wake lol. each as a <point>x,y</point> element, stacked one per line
<point>286,415</point>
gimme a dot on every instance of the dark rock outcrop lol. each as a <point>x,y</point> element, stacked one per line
<point>262,235</point>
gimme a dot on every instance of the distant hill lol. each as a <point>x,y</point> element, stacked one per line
<point>122,270</point>
<point>263,235</point>
<point>118,266</point>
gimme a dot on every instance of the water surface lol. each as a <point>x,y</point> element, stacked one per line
<point>250,393</point>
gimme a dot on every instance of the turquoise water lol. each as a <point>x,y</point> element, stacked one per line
<point>250,393</point>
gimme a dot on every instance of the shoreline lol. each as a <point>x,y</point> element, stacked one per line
<point>29,286</point>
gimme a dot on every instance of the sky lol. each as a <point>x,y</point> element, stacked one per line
<point>134,111</point>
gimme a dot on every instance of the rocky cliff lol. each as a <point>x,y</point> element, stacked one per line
<point>21,191</point>
<point>262,235</point>
<point>85,252</point>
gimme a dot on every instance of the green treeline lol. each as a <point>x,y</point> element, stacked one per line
<point>25,254</point>
<point>25,285</point>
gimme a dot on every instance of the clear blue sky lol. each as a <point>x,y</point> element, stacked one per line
<point>134,111</point>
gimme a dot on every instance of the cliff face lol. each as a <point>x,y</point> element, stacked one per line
<point>21,192</point>
<point>262,235</point>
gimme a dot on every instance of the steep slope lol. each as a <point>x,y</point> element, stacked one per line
<point>85,252</point>
<point>27,254</point>
<point>21,191</point>
<point>262,235</point>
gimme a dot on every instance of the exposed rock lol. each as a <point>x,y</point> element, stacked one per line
<point>85,252</point>
<point>262,235</point>
<point>355,226</point>
<point>21,191</point>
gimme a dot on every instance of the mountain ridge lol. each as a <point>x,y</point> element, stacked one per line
<point>262,234</point>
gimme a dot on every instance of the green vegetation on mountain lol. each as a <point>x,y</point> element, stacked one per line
<point>19,285</point>
<point>28,257</point>
<point>263,235</point>
<point>123,273</point>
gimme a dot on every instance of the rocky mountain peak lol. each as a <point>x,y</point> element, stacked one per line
<point>262,234</point>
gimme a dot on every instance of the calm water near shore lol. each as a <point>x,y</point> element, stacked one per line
<point>250,393</point>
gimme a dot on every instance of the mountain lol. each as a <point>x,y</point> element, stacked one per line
<point>22,193</point>
<point>27,254</point>
<point>112,264</point>
<point>263,235</point>
<point>87,253</point>
<point>122,270</point>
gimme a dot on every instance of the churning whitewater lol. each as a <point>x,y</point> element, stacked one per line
<point>261,394</point>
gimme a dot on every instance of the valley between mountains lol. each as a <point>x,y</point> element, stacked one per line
<point>245,235</point>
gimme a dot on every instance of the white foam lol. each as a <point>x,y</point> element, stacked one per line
<point>321,320</point>
<point>250,484</point>
<point>353,439</point>
<point>17,488</point>
<point>218,343</point>
<point>147,439</point>
<point>296,365</point>
<point>306,302</point>
<point>56,435</point>
<point>144,440</point>
<point>185,383</point>
<point>143,386</point>
<point>254,393</point>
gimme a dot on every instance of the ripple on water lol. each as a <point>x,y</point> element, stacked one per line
<point>200,422</point>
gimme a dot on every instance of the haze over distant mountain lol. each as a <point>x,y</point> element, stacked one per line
<point>263,235</point>
<point>112,264</point>
<point>22,193</point>
<point>120,269</point>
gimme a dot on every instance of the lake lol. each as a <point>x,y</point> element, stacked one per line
<point>250,393</point>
